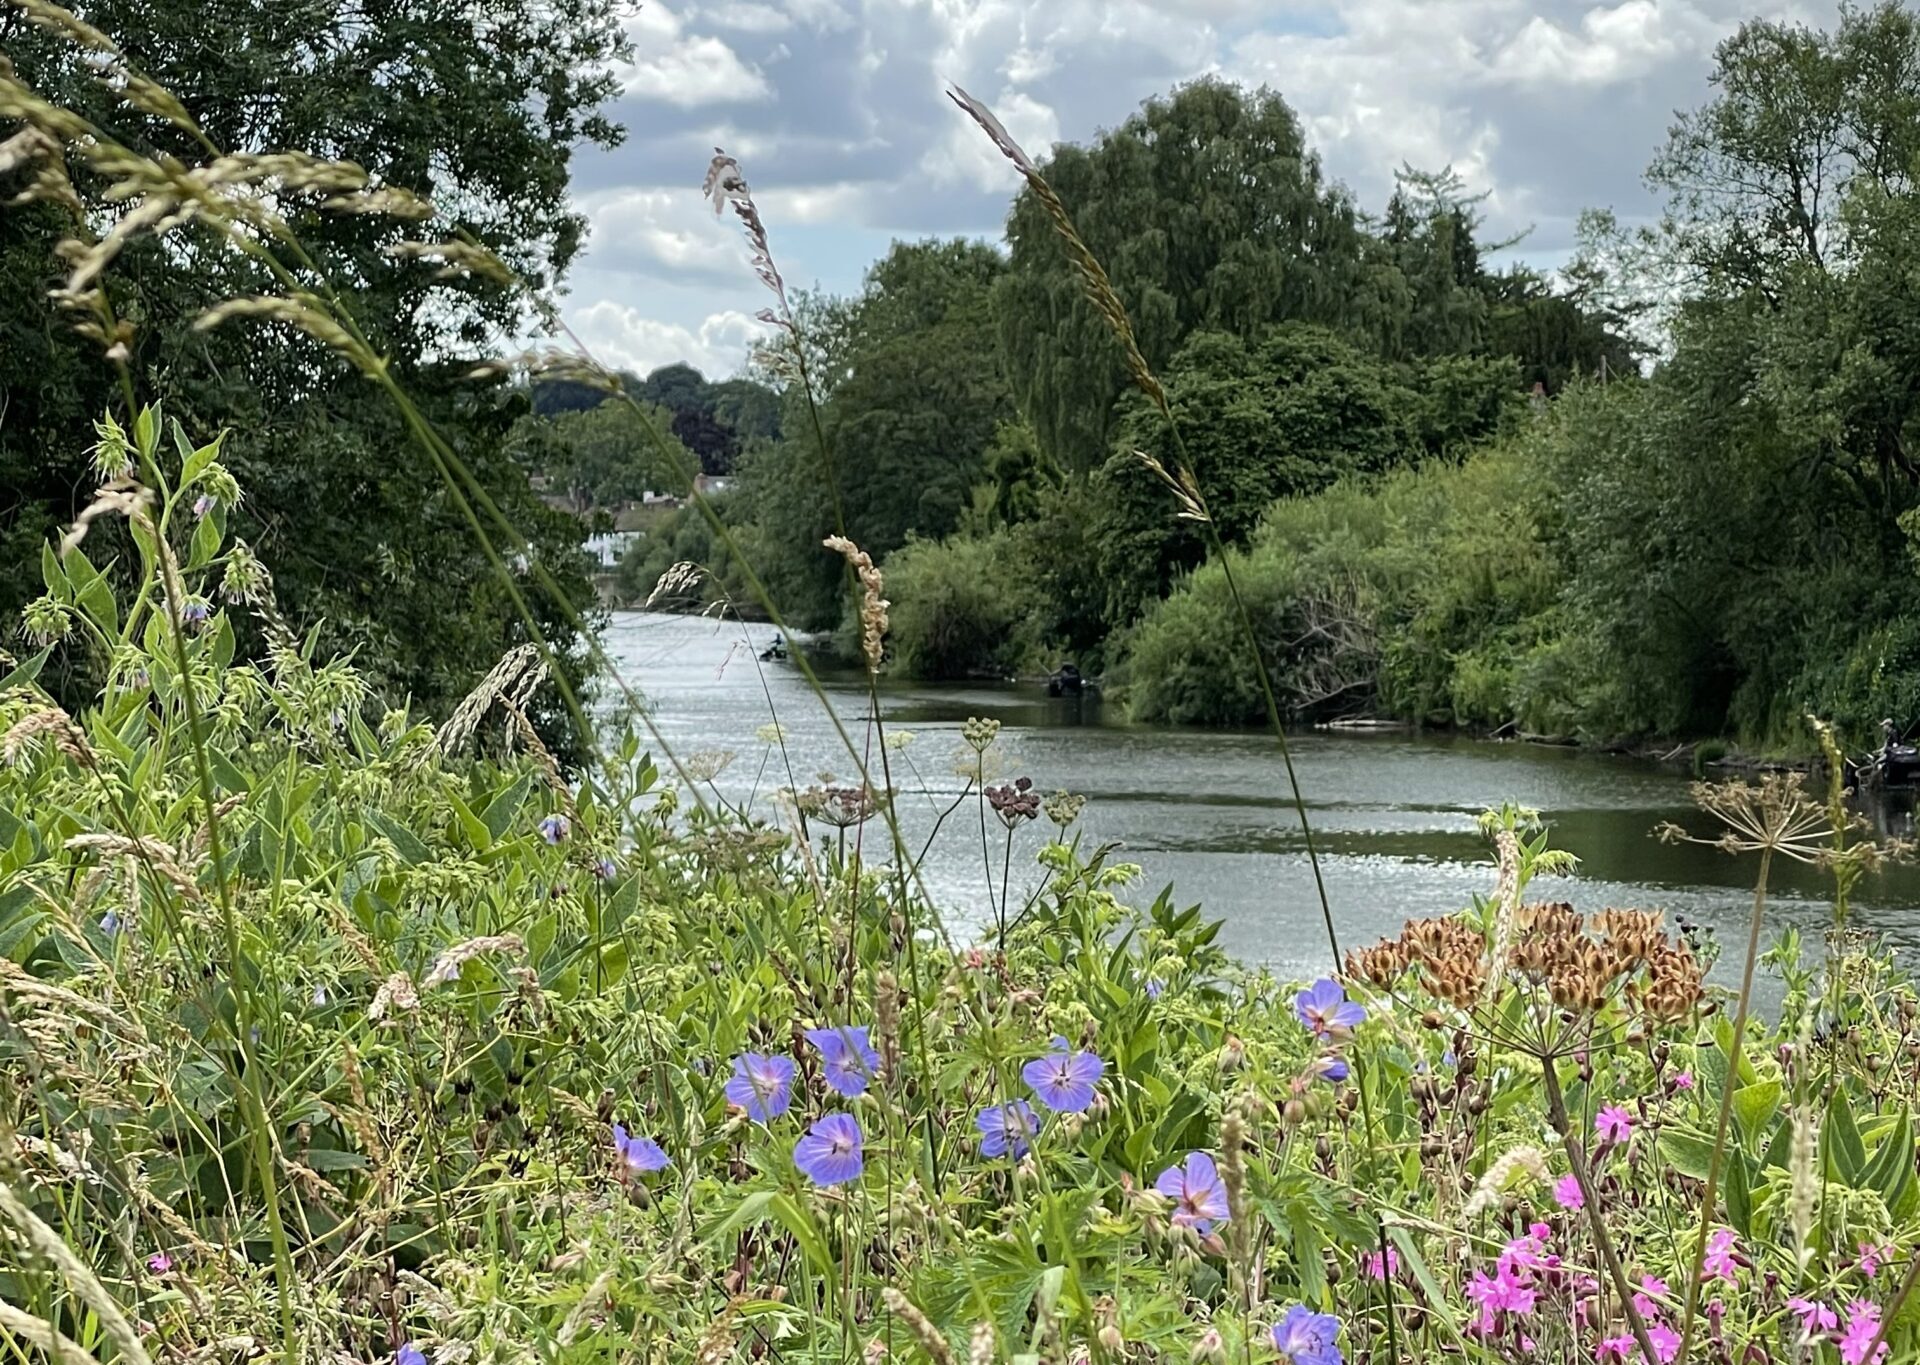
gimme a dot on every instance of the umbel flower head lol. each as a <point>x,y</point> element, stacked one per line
<point>1773,815</point>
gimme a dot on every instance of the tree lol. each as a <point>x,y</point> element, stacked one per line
<point>918,398</point>
<point>1209,213</point>
<point>479,107</point>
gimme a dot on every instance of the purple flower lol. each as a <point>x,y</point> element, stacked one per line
<point>1198,1193</point>
<point>1613,1124</point>
<point>555,828</point>
<point>1330,1067</point>
<point>1006,1128</point>
<point>605,869</point>
<point>203,505</point>
<point>1155,988</point>
<point>830,1152</point>
<point>159,1263</point>
<point>195,611</point>
<point>850,1061</point>
<point>1324,1008</point>
<point>409,1355</point>
<point>110,923</point>
<point>761,1085</point>
<point>642,1154</point>
<point>1063,1080</point>
<point>1304,1337</point>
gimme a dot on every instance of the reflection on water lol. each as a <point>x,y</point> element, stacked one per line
<point>1207,811</point>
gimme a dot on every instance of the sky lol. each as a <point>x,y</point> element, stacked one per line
<point>837,114</point>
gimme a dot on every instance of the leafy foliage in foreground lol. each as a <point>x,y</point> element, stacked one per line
<point>333,1039</point>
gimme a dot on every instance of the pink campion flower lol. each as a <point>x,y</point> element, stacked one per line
<point>1815,1317</point>
<point>1665,1341</point>
<point>1523,1255</point>
<point>1500,1293</point>
<point>1683,1081</point>
<point>1863,1325</point>
<point>1871,1256</point>
<point>1378,1267</point>
<point>1566,1193</point>
<point>1720,1263</point>
<point>1650,1290</point>
<point>1614,1124</point>
<point>1620,1348</point>
<point>159,1263</point>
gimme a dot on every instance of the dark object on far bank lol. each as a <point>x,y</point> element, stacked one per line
<point>774,653</point>
<point>1893,764</point>
<point>1066,682</point>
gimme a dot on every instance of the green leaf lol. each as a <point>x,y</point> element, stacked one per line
<point>196,464</point>
<point>1739,1193</point>
<point>206,540</point>
<point>806,1232</point>
<point>1436,1296</point>
<point>92,591</point>
<point>749,1210</point>
<point>472,825</point>
<point>25,671</point>
<point>53,575</point>
<point>405,842</point>
<point>1891,1170</point>
<point>1308,1263</point>
<point>146,431</point>
<point>1840,1139</point>
<point>1689,1153</point>
<point>503,809</point>
<point>1754,1106</point>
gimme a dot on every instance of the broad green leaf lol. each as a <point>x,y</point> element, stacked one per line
<point>1840,1139</point>
<point>1739,1196</point>
<point>1891,1170</point>
<point>25,671</point>
<point>472,825</point>
<point>1754,1106</point>
<point>1690,1153</point>
<point>501,812</point>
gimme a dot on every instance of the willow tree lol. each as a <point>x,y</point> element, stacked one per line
<point>1209,212</point>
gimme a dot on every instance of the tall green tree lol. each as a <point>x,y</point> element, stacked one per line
<point>479,106</point>
<point>1210,213</point>
<point>917,393</point>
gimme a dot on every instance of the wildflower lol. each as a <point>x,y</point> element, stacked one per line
<point>1683,1081</point>
<point>1063,1080</point>
<point>409,1355</point>
<point>1155,988</point>
<point>110,923</point>
<point>850,1061</point>
<point>1863,1326</point>
<point>1324,1008</point>
<point>1500,1292</point>
<point>1620,1347</point>
<point>1378,1267</point>
<point>1197,1191</point>
<point>830,1152</point>
<point>1614,1124</point>
<point>1871,1256</point>
<point>1014,802</point>
<point>1567,1193</point>
<point>195,612</point>
<point>1006,1128</point>
<point>1330,1067</point>
<point>159,1263</point>
<point>555,828</point>
<point>1815,1317</point>
<point>1304,1337</point>
<point>1208,1348</point>
<point>642,1154</point>
<point>1666,1341</point>
<point>1720,1263</point>
<point>203,505</point>
<point>1650,1289</point>
<point>761,1085</point>
<point>605,869</point>
<point>320,997</point>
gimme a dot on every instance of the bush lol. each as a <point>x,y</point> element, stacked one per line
<point>961,607</point>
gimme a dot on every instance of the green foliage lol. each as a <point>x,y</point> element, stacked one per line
<point>486,104</point>
<point>602,456</point>
<point>961,607</point>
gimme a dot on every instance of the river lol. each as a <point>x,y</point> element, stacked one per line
<point>1207,811</point>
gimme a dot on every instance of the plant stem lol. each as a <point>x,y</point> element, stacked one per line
<point>1726,1099</point>
<point>1590,1200</point>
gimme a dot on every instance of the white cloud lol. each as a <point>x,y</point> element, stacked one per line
<point>661,230</point>
<point>687,70</point>
<point>967,156</point>
<point>624,337</point>
<point>748,16</point>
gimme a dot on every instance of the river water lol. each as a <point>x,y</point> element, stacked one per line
<point>1207,811</point>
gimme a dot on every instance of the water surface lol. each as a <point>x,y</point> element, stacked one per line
<point>1393,815</point>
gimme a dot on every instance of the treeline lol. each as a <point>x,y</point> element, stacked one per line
<point>1459,494</point>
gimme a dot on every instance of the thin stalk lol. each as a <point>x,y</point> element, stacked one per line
<point>1726,1099</point>
<point>1596,1221</point>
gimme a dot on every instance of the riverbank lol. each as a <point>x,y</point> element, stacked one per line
<point>483,1060</point>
